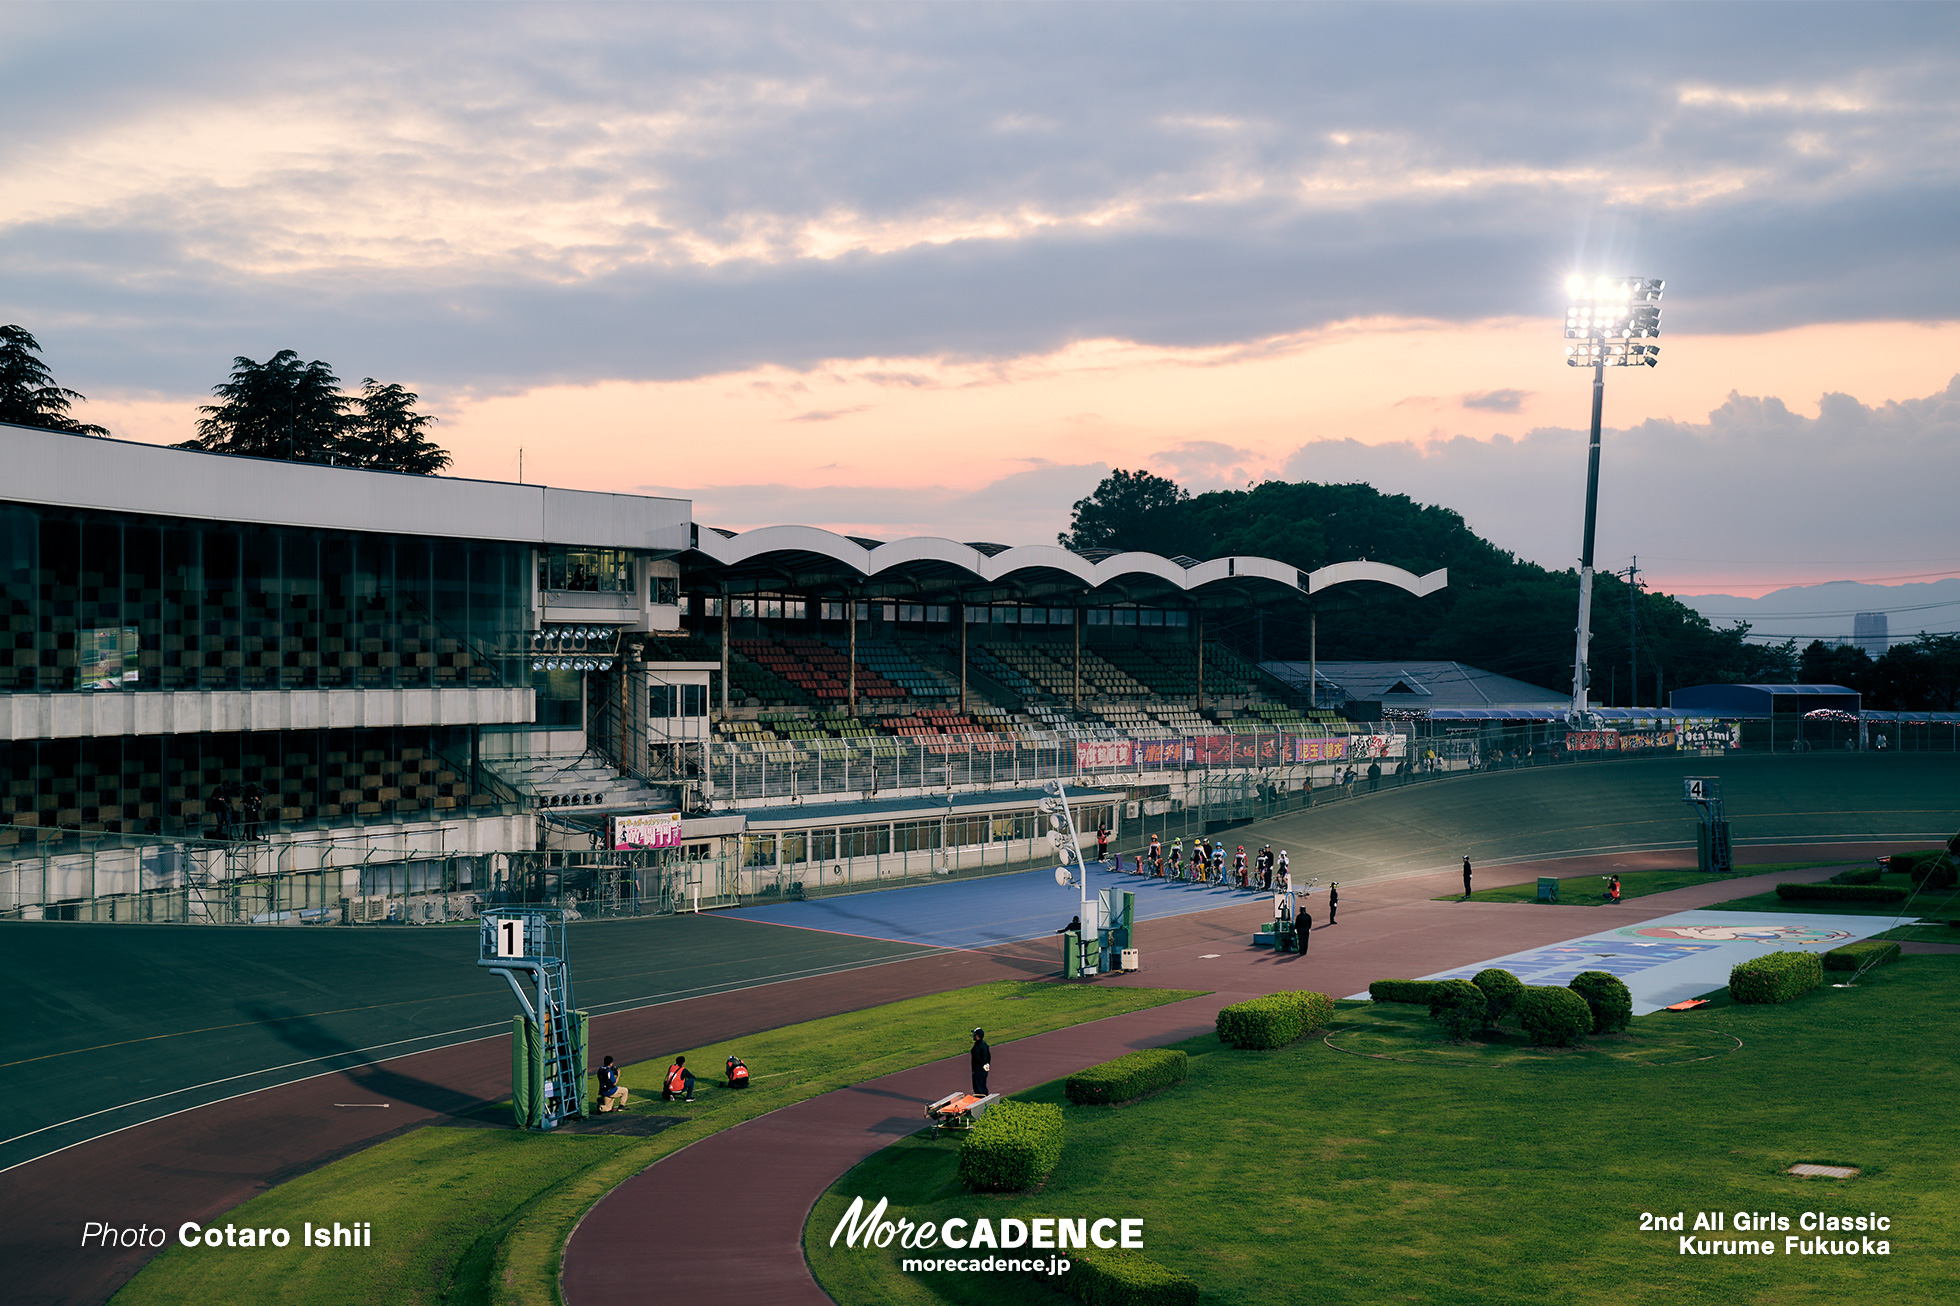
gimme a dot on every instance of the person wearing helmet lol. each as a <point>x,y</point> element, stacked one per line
<point>1238,866</point>
<point>1177,858</point>
<point>982,1057</point>
<point>737,1073</point>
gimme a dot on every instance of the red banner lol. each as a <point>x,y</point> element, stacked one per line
<point>1593,741</point>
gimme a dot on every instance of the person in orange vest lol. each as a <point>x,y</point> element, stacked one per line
<point>679,1082</point>
<point>738,1074</point>
<point>1613,892</point>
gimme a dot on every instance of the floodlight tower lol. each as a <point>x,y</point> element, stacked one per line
<point>1612,322</point>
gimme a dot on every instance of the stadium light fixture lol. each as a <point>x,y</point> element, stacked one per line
<point>1609,322</point>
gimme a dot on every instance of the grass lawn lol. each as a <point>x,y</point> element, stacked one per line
<point>1486,1175</point>
<point>1934,931</point>
<point>1590,890</point>
<point>480,1215</point>
<point>1935,902</point>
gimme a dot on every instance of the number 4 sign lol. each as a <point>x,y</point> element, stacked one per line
<point>1694,790</point>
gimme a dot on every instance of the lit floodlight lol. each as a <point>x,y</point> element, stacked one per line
<point>1613,320</point>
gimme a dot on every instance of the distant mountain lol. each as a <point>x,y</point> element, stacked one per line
<point>1807,612</point>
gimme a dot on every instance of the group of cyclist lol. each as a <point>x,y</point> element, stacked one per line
<point>1206,863</point>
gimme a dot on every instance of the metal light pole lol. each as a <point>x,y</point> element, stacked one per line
<point>1613,322</point>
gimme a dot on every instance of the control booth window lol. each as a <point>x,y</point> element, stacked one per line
<point>667,590</point>
<point>585,569</point>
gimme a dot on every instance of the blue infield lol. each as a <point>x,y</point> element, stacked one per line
<point>982,912</point>
<point>1673,958</point>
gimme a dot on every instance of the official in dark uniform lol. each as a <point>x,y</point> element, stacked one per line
<point>1466,876</point>
<point>982,1062</point>
<point>1303,928</point>
<point>1333,902</point>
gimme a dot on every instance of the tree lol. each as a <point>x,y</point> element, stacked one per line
<point>294,411</point>
<point>1129,510</point>
<point>387,433</point>
<point>28,394</point>
<point>281,408</point>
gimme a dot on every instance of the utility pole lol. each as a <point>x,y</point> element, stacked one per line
<point>1633,644</point>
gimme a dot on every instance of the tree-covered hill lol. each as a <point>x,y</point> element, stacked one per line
<point>1498,612</point>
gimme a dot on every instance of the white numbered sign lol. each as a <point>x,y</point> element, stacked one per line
<point>1695,791</point>
<point>510,937</point>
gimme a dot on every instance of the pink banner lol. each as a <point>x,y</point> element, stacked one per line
<point>1103,753</point>
<point>1318,750</point>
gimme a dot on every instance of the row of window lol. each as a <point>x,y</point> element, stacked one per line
<point>799,846</point>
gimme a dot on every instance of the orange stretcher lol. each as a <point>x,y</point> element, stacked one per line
<point>1689,1005</point>
<point>959,1110</point>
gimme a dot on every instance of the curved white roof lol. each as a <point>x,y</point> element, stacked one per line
<point>869,562</point>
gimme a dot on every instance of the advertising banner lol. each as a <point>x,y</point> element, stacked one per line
<point>1593,741</point>
<point>1716,734</point>
<point>1375,747</point>
<point>1211,750</point>
<point>1629,742</point>
<point>1305,749</point>
<point>1163,753</point>
<point>660,830</point>
<point>1103,753</point>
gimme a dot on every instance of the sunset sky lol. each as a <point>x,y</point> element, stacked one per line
<point>937,269</point>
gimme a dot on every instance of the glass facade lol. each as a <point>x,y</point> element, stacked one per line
<point>219,785</point>
<point>99,600</point>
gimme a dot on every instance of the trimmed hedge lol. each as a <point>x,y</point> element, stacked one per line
<point>1607,997</point>
<point>1776,977</point>
<point>1851,956</point>
<point>1011,1147</point>
<point>1127,1077</point>
<point>1501,990</point>
<point>1117,1278</point>
<point>1840,892</point>
<point>1274,1020</point>
<point>1417,992</point>
<point>1933,868</point>
<point>1553,1016</point>
<point>1459,1007</point>
<point>1869,875</point>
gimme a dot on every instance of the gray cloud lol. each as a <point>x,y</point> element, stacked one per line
<point>1026,507</point>
<point>1496,401</point>
<point>1754,483</point>
<point>1005,180</point>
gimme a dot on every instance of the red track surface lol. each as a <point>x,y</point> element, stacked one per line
<point>201,1163</point>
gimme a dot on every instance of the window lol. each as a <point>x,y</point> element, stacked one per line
<point>915,836</point>
<point>1061,616</point>
<point>1099,616</point>
<point>977,616</point>
<point>769,608</point>
<point>1124,617</point>
<point>666,590</point>
<point>585,569</point>
<point>1034,616</point>
<point>796,848</point>
<point>889,613</point>
<point>663,701</point>
<point>942,613</point>
<point>966,831</point>
<point>711,605</point>
<point>758,850</point>
<point>694,700</point>
<point>1015,825</point>
<point>1177,617</point>
<point>864,840</point>
<point>823,845</point>
<point>1007,616</point>
<point>1150,617</point>
<point>741,608</point>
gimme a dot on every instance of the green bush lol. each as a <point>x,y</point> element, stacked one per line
<point>1011,1147</point>
<point>1851,956</point>
<point>1394,990</point>
<point>1553,1016</point>
<point>1840,893</point>
<point>1459,1007</point>
<point>1776,977</point>
<point>1868,875</point>
<point>1274,1020</point>
<point>1934,868</point>
<point>1606,997</point>
<point>1129,1076</point>
<point>1501,990</point>
<point>1117,1278</point>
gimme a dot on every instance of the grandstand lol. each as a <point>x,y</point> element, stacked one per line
<point>343,669</point>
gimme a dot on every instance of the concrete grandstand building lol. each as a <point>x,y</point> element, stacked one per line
<point>238,689</point>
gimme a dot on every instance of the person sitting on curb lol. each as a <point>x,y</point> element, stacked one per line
<point>612,1095</point>
<point>679,1083</point>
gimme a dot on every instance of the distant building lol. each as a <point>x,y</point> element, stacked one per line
<point>1868,632</point>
